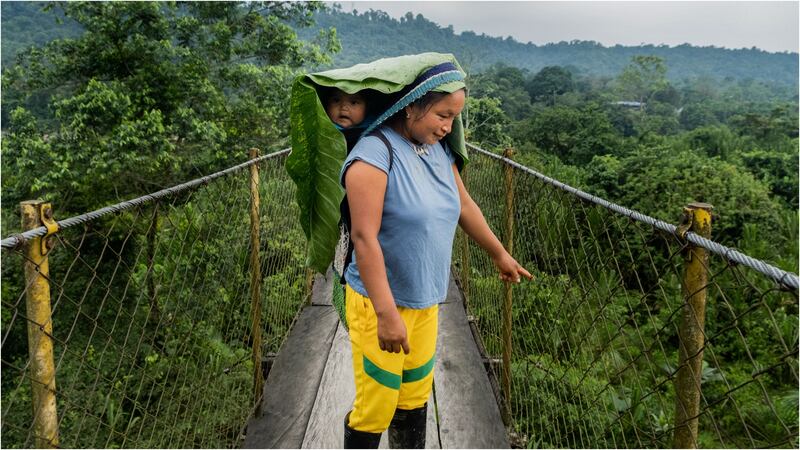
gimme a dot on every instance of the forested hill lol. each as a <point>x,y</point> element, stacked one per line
<point>366,36</point>
<point>370,35</point>
<point>25,24</point>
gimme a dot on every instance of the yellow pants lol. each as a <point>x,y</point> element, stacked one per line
<point>387,381</point>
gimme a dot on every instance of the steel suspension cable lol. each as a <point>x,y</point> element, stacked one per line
<point>782,277</point>
<point>17,240</point>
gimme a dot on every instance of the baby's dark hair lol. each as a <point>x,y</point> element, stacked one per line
<point>372,98</point>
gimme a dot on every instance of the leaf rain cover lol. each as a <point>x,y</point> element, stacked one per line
<point>319,149</point>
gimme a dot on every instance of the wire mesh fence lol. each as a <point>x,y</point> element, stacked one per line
<point>594,338</point>
<point>152,332</point>
<point>151,317</point>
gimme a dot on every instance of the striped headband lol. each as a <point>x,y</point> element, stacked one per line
<point>429,80</point>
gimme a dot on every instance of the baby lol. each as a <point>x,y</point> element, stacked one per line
<point>347,112</point>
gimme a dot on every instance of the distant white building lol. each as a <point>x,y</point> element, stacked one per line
<point>630,104</point>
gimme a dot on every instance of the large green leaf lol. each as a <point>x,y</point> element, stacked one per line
<point>319,149</point>
<point>318,152</point>
<point>390,75</point>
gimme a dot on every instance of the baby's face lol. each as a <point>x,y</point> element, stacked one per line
<point>346,110</point>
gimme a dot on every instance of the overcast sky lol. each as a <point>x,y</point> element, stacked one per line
<point>771,26</point>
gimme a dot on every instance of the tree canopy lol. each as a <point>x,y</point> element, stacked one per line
<point>149,95</point>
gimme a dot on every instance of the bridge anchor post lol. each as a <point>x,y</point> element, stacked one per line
<point>36,213</point>
<point>507,288</point>
<point>691,334</point>
<point>255,278</point>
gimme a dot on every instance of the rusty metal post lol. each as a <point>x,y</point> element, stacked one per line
<point>507,287</point>
<point>309,285</point>
<point>255,277</point>
<point>691,334</point>
<point>36,213</point>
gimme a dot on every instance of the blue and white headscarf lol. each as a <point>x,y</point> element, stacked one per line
<point>428,81</point>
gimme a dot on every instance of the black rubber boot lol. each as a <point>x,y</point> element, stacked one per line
<point>359,439</point>
<point>407,429</point>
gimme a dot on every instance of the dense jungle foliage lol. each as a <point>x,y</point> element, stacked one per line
<point>732,144</point>
<point>133,97</point>
<point>644,142</point>
<point>151,306</point>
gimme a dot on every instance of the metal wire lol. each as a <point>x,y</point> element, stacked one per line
<point>151,314</point>
<point>19,239</point>
<point>790,280</point>
<point>152,331</point>
<point>595,335</point>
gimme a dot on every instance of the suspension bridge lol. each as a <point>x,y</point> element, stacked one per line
<point>187,318</point>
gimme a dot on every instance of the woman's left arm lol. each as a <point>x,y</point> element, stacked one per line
<point>474,224</point>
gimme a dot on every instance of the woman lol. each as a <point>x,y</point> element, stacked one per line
<point>404,205</point>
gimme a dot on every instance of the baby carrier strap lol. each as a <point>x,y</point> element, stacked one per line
<point>344,207</point>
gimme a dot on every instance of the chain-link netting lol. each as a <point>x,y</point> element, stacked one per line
<point>152,328</point>
<point>595,346</point>
<point>151,317</point>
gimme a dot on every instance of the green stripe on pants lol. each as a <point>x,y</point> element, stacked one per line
<point>386,378</point>
<point>410,376</point>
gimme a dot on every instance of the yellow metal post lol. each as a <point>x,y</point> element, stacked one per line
<point>36,213</point>
<point>309,285</point>
<point>507,289</point>
<point>255,277</point>
<point>691,333</point>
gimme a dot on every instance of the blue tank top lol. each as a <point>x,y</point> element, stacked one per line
<point>420,214</point>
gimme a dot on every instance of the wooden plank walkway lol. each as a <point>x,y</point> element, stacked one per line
<point>310,387</point>
<point>335,398</point>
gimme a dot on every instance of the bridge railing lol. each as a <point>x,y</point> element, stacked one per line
<point>634,333</point>
<point>150,319</point>
<point>132,326</point>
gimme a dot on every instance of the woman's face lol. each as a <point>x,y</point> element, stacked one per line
<point>431,126</point>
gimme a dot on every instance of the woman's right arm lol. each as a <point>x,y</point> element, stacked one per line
<point>366,188</point>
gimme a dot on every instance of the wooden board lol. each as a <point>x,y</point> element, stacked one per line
<point>293,382</point>
<point>335,398</point>
<point>322,289</point>
<point>468,413</point>
<point>453,292</point>
<point>432,426</point>
<point>310,387</point>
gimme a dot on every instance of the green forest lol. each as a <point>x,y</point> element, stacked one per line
<point>652,145</point>
<point>369,35</point>
<point>107,101</point>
